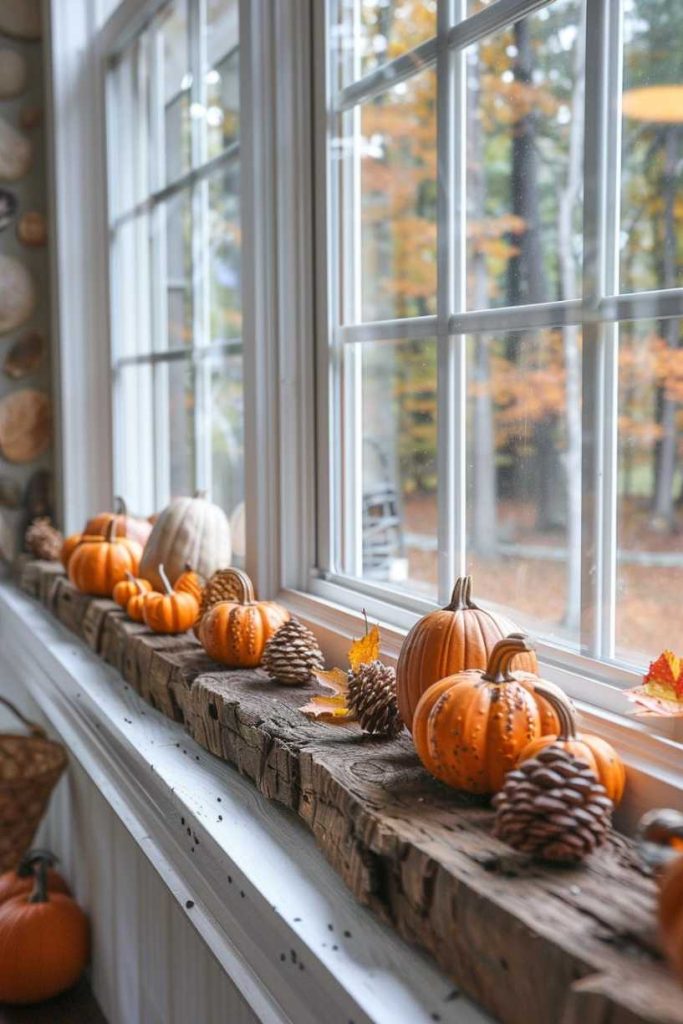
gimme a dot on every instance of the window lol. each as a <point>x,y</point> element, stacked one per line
<point>173,110</point>
<point>504,231</point>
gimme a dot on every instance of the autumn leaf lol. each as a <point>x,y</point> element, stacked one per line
<point>663,678</point>
<point>365,650</point>
<point>331,706</point>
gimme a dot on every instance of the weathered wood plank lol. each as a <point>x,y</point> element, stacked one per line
<point>95,619</point>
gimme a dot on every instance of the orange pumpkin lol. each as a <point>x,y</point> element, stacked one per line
<point>132,527</point>
<point>190,582</point>
<point>130,587</point>
<point>135,609</point>
<point>661,835</point>
<point>44,944</point>
<point>470,728</point>
<point>171,612</point>
<point>99,563</point>
<point>21,881</point>
<point>68,547</point>
<point>236,632</point>
<point>457,637</point>
<point>597,753</point>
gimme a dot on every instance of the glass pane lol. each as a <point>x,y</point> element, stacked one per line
<point>524,477</point>
<point>389,235</point>
<point>227,435</point>
<point>222,75</point>
<point>129,128</point>
<point>176,83</point>
<point>368,33</point>
<point>130,308</point>
<point>524,160</point>
<point>177,221</point>
<point>225,266</point>
<point>650,499</point>
<point>134,438</point>
<point>390,411</point>
<point>175,423</point>
<point>652,146</point>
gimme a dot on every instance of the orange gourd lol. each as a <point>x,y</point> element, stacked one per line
<point>661,835</point>
<point>236,632</point>
<point>130,587</point>
<point>99,563</point>
<point>69,546</point>
<point>21,881</point>
<point>459,636</point>
<point>470,728</point>
<point>132,527</point>
<point>597,753</point>
<point>135,609</point>
<point>170,612</point>
<point>44,943</point>
<point>190,582</point>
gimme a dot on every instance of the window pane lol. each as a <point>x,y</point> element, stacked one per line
<point>131,311</point>
<point>134,438</point>
<point>222,75</point>
<point>390,441</point>
<point>175,422</point>
<point>368,33</point>
<point>650,541</point>
<point>388,155</point>
<point>652,149</point>
<point>524,160</point>
<point>176,83</point>
<point>225,266</point>
<point>524,477</point>
<point>227,432</point>
<point>177,224</point>
<point>128,129</point>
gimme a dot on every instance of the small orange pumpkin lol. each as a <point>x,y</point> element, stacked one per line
<point>597,753</point>
<point>135,609</point>
<point>661,843</point>
<point>99,563</point>
<point>132,527</point>
<point>130,587</point>
<point>172,612</point>
<point>21,881</point>
<point>44,941</point>
<point>236,632</point>
<point>470,728</point>
<point>460,636</point>
<point>68,547</point>
<point>190,582</point>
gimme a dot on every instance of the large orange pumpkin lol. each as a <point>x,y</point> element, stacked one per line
<point>597,753</point>
<point>170,612</point>
<point>68,547</point>
<point>457,637</point>
<point>470,728</point>
<point>44,944</point>
<point>21,881</point>
<point>661,834</point>
<point>99,563</point>
<point>132,527</point>
<point>236,632</point>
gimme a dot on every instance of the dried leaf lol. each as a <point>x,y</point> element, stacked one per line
<point>648,703</point>
<point>663,679</point>
<point>330,707</point>
<point>365,650</point>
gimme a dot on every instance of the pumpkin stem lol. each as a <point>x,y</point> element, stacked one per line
<point>111,531</point>
<point>165,580</point>
<point>660,837</point>
<point>200,494</point>
<point>502,655</point>
<point>562,706</point>
<point>120,507</point>
<point>28,862</point>
<point>461,598</point>
<point>245,585</point>
<point>39,894</point>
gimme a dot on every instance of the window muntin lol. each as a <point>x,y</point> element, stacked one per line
<point>532,384</point>
<point>175,223</point>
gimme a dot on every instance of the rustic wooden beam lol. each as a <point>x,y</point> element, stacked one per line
<point>533,944</point>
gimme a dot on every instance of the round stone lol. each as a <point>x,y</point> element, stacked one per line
<point>32,229</point>
<point>21,19</point>
<point>25,425</point>
<point>17,294</point>
<point>13,74</point>
<point>8,208</point>
<point>15,153</point>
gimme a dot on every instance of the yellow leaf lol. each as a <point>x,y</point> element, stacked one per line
<point>330,707</point>
<point>365,650</point>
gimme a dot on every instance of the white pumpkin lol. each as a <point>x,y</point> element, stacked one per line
<point>190,531</point>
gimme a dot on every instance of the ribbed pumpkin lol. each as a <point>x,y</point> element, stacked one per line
<point>44,944</point>
<point>135,609</point>
<point>22,881</point>
<point>68,547</point>
<point>189,530</point>
<point>130,587</point>
<point>99,563</point>
<point>470,728</point>
<point>597,753</point>
<point>661,835</point>
<point>170,612</point>
<point>190,582</point>
<point>133,527</point>
<point>236,632</point>
<point>457,637</point>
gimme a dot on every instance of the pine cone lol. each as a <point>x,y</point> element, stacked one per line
<point>292,655</point>
<point>43,541</point>
<point>553,807</point>
<point>222,586</point>
<point>372,696</point>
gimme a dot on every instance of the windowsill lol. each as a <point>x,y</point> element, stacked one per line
<point>283,897</point>
<point>652,753</point>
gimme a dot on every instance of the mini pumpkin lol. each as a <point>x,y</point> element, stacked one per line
<point>135,609</point>
<point>190,582</point>
<point>130,587</point>
<point>236,632</point>
<point>470,728</point>
<point>44,941</point>
<point>170,612</point>
<point>133,527</point>
<point>661,843</point>
<point>460,636</point>
<point>21,881</point>
<point>597,753</point>
<point>99,563</point>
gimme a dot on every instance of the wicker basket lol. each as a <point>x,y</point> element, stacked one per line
<point>30,767</point>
